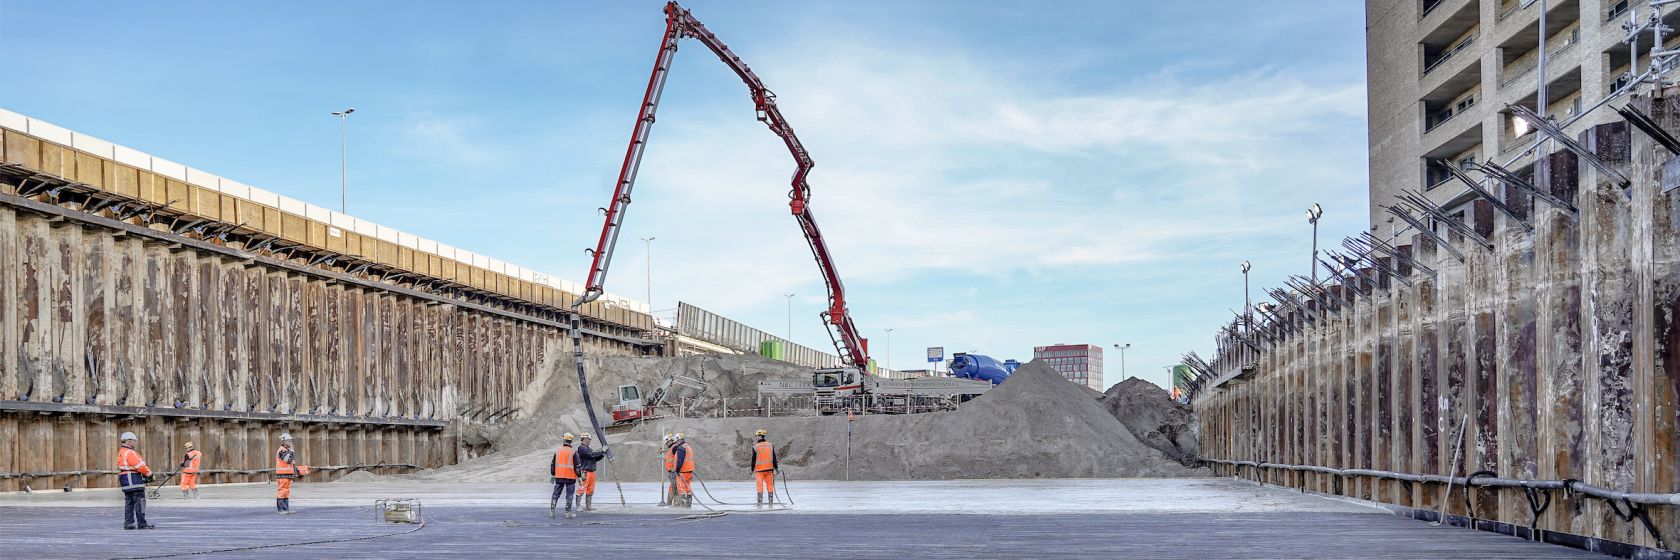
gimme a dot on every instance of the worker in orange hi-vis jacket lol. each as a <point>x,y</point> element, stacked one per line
<point>588,460</point>
<point>764,467</point>
<point>669,496</point>
<point>286,469</point>
<point>684,456</point>
<point>132,475</point>
<point>189,471</point>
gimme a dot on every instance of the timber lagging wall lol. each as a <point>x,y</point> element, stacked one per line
<point>113,323</point>
<point>1557,352</point>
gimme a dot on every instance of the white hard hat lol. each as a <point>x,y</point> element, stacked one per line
<point>584,436</point>
<point>285,435</point>
<point>128,436</point>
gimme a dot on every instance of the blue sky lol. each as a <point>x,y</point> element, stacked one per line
<point>991,175</point>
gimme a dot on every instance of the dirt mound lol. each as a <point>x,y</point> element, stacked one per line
<point>1149,413</point>
<point>1036,424</point>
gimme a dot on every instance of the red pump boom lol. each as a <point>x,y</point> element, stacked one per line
<point>679,23</point>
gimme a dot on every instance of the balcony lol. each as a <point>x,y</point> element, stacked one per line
<point>1519,63</point>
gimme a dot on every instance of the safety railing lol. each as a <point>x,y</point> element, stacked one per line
<point>1627,505</point>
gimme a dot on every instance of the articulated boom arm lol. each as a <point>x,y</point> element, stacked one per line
<point>679,23</point>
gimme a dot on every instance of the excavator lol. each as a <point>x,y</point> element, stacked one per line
<point>680,24</point>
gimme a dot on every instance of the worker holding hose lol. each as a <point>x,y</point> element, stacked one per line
<point>132,475</point>
<point>684,459</point>
<point>764,467</point>
<point>669,496</point>
<point>587,460</point>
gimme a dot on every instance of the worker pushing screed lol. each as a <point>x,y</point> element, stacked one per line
<point>764,467</point>
<point>190,465</point>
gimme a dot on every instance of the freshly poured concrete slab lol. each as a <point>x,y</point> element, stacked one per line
<point>1030,496</point>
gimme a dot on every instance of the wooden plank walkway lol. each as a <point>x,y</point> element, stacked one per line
<point>498,532</point>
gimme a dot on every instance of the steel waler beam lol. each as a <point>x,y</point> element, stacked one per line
<point>1650,127</point>
<point>1422,204</point>
<point>1506,176</point>
<point>1423,229</point>
<point>1361,247</point>
<point>1394,252</point>
<point>1546,127</point>
<point>1477,188</point>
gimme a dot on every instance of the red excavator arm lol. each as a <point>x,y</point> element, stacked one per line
<point>679,23</point>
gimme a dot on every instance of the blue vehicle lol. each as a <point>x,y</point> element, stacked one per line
<point>984,368</point>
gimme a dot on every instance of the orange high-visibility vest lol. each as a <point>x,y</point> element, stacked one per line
<point>282,467</point>
<point>192,462</point>
<point>129,460</point>
<point>670,458</point>
<point>687,465</point>
<point>763,453</point>
<point>563,463</point>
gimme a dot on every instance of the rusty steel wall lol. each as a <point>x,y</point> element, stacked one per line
<point>1557,353</point>
<point>105,330</point>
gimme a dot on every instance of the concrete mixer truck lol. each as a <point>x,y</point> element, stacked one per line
<point>984,368</point>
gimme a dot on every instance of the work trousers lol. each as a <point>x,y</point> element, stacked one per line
<point>283,490</point>
<point>765,481</point>
<point>685,483</point>
<point>586,486</point>
<point>134,507</point>
<point>189,481</point>
<point>563,487</point>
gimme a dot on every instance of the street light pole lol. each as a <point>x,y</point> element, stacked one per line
<point>888,358</point>
<point>1248,305</point>
<point>1313,214</point>
<point>1123,359</point>
<point>344,159</point>
<point>647,242</point>
<point>789,318</point>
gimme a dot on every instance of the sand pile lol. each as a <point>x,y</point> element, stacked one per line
<point>1036,424</point>
<point>1150,414</point>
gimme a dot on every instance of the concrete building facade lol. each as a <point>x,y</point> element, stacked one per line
<point>1079,363</point>
<point>1441,73</point>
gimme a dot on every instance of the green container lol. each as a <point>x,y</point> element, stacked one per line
<point>773,349</point>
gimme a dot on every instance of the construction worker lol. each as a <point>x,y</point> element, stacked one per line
<point>286,469</point>
<point>189,471</point>
<point>764,467</point>
<point>684,459</point>
<point>565,468</point>
<point>133,475</point>
<point>670,493</point>
<point>587,458</point>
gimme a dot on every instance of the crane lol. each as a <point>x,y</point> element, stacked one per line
<point>680,23</point>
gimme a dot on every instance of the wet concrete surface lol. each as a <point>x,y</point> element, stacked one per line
<point>1133,518</point>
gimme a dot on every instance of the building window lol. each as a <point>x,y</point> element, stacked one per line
<point>1465,103</point>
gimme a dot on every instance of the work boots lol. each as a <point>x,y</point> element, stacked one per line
<point>195,493</point>
<point>185,494</point>
<point>760,501</point>
<point>279,505</point>
<point>286,506</point>
<point>772,499</point>
<point>551,505</point>
<point>588,502</point>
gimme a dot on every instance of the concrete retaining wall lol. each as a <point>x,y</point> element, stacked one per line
<point>1557,353</point>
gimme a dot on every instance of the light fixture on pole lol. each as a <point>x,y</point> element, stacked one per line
<point>647,242</point>
<point>887,357</point>
<point>343,159</point>
<point>790,317</point>
<point>1123,359</point>
<point>1248,305</point>
<point>1313,214</point>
